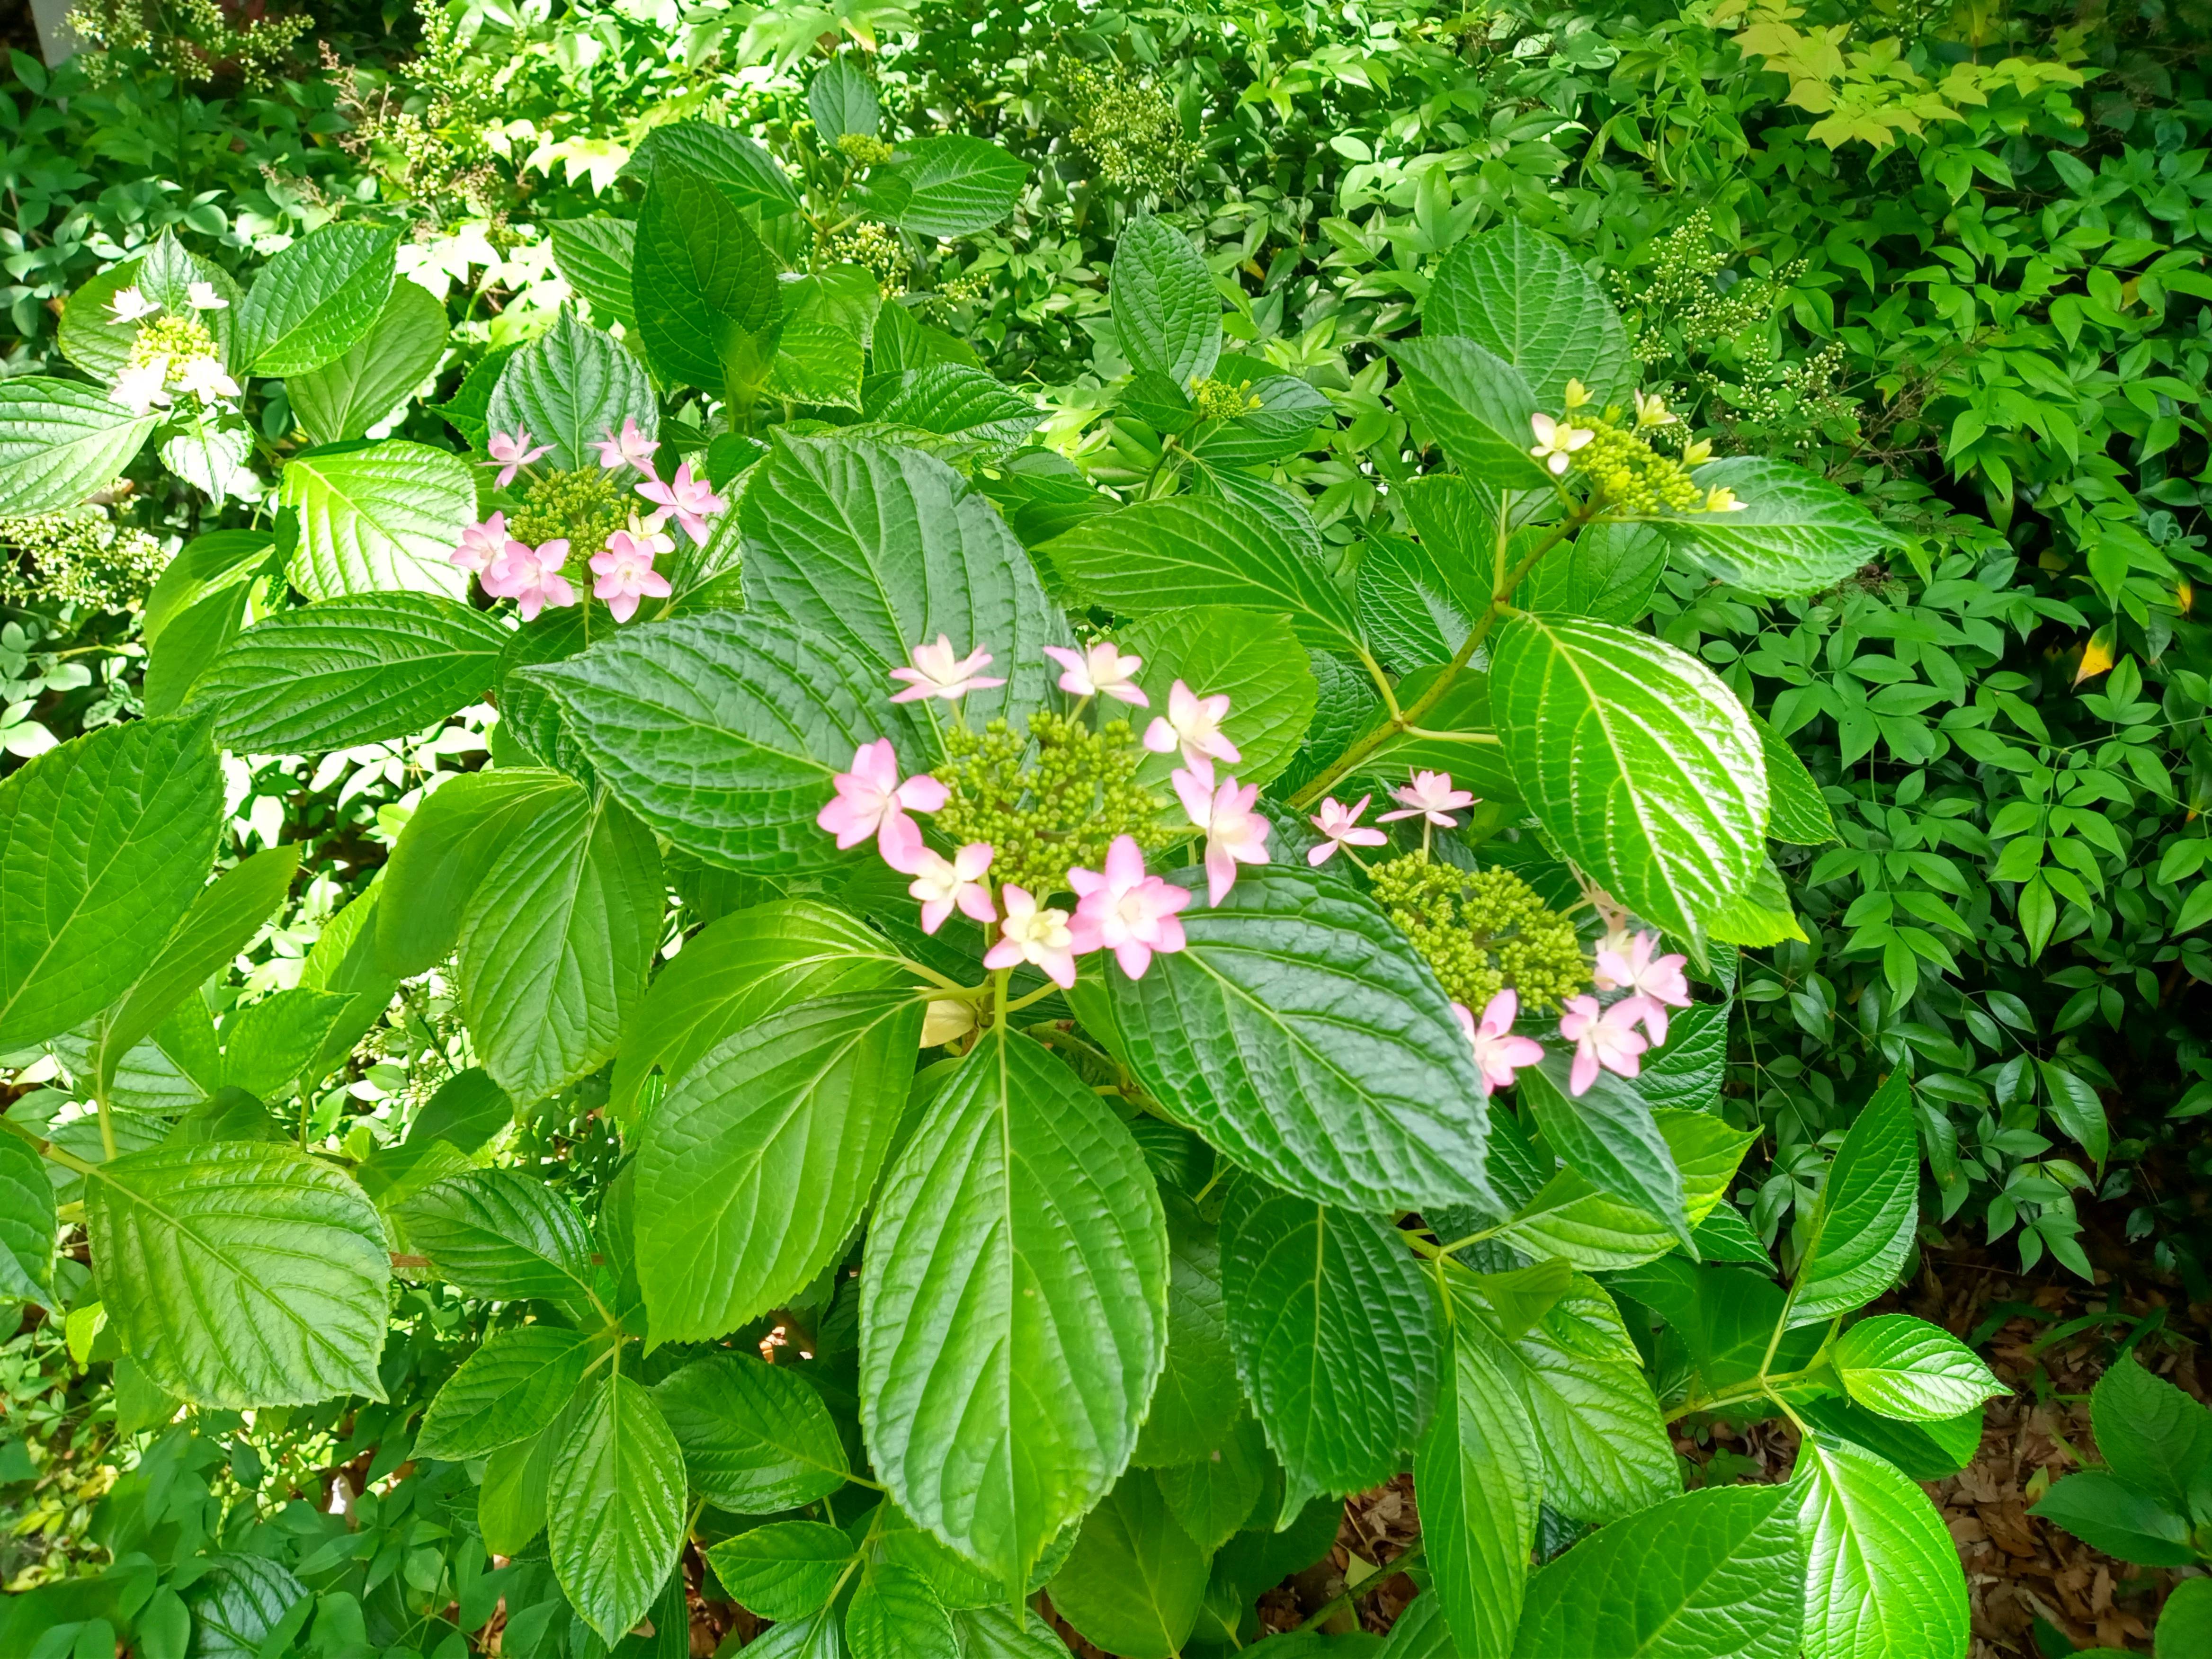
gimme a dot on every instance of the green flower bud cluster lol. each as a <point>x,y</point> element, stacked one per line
<point>875,248</point>
<point>1482,931</point>
<point>1218,400</point>
<point>1131,133</point>
<point>182,340</point>
<point>863,150</point>
<point>79,558</point>
<point>1043,815</point>
<point>585,505</point>
<point>1629,476</point>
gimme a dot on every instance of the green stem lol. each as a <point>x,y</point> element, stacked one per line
<point>67,1159</point>
<point>1374,1581</point>
<point>107,1126</point>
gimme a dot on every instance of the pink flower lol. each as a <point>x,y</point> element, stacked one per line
<point>1125,911</point>
<point>1034,935</point>
<point>938,673</point>
<point>625,572</point>
<point>1497,1053</point>
<point>1609,1039</point>
<point>531,576</point>
<point>1235,834</point>
<point>1429,796</point>
<point>633,448</point>
<point>688,498</point>
<point>1100,671</point>
<point>943,884</point>
<point>1341,828</point>
<point>872,801</point>
<point>1191,724</point>
<point>1657,981</point>
<point>511,454</point>
<point>481,544</point>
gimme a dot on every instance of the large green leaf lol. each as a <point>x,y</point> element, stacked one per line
<point>894,1614</point>
<point>1406,604</point>
<point>454,835</point>
<point>104,842</point>
<point>1862,1229</point>
<point>722,730</point>
<point>1907,1368</point>
<point>1717,1574</point>
<point>2185,1623</point>
<point>1883,1577</point>
<point>240,1274</point>
<point>755,1437</point>
<point>1197,1402</point>
<point>1609,1134</point>
<point>955,400</point>
<point>954,185</point>
<point>556,941</point>
<point>1795,534</point>
<point>1639,761</point>
<point>1519,294</point>
<point>349,671</point>
<point>2108,1514</point>
<point>1134,1581</point>
<point>26,1224</point>
<point>503,1237</point>
<point>785,1570</point>
<point>1165,311</point>
<point>704,285</point>
<point>1798,811</point>
<point>243,1605</point>
<point>841,100</point>
<point>1013,1306</point>
<point>1254,659</point>
<point>595,256</point>
<point>1480,1478</point>
<point>60,440</point>
<point>363,385</point>
<point>509,1390</point>
<point>2151,1434</point>
<point>614,1508</point>
<point>1186,551</point>
<point>879,548</point>
<point>1300,1033</point>
<point>1335,1338</point>
<point>1563,1214</point>
<point>1214,1497</point>
<point>1605,1452</point>
<point>1476,406</point>
<point>1609,572</point>
<point>316,298</point>
<point>754,1169</point>
<point>570,388</point>
<point>741,167</point>
<point>377,518</point>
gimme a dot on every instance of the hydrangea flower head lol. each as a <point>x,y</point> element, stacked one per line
<point>1126,910</point>
<point>1235,834</point>
<point>945,885</point>
<point>1429,796</point>
<point>1034,934</point>
<point>1605,1038</point>
<point>511,453</point>
<point>1100,671</point>
<point>1497,1053</point>
<point>1193,724</point>
<point>937,672</point>
<point>1341,826</point>
<point>873,800</point>
<point>625,574</point>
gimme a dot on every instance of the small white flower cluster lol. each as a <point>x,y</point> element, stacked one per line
<point>175,353</point>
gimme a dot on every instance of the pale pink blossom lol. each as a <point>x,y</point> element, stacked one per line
<point>1606,1038</point>
<point>688,498</point>
<point>625,572</point>
<point>1235,834</point>
<point>1125,911</point>
<point>632,448</point>
<point>943,884</point>
<point>1339,826</point>
<point>1193,724</point>
<point>1657,981</point>
<point>481,544</point>
<point>1497,1053</point>
<point>531,576</point>
<point>512,454</point>
<point>1429,796</point>
<point>871,800</point>
<point>1033,934</point>
<point>128,306</point>
<point>937,672</point>
<point>1100,671</point>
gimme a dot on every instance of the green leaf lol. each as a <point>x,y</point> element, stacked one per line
<point>1686,1074</point>
<point>1475,404</point>
<point>1882,1576</point>
<point>503,1237</point>
<point>723,730</point>
<point>2076,1108</point>
<point>1606,1451</point>
<point>741,167</point>
<point>1517,293</point>
<point>894,1614</point>
<point>454,837</point>
<point>243,1602</point>
<point>349,671</point>
<point>240,1274</point>
<point>313,299</point>
<point>373,519</point>
<point>268,1045</point>
<point>755,1437</point>
<point>88,335</point>
<point>511,1503</point>
<point>1608,1134</point>
<point>1335,1339</point>
<point>1134,1584</point>
<point>1795,534</point>
<point>1281,423</point>
<point>570,388</point>
<point>1481,1477</point>
<point>1458,522</point>
<point>511,1388</point>
<point>191,644</point>
<point>878,548</point>
<point>204,565</point>
<point>1407,604</point>
<point>2107,1513</point>
<point>819,357</point>
<point>2185,1623</point>
<point>1165,311</point>
<point>595,255</point>
<point>556,942</point>
<point>1197,1402</point>
<point>103,843</point>
<point>1243,1036</point>
<point>1567,1216</point>
<point>953,399</point>
<point>1717,1574</point>
<point>1924,1451</point>
<point>1609,572</point>
<point>1185,551</point>
<point>705,287</point>
<point>1013,1306</point>
<point>1255,660</point>
<point>1862,1229</point>
<point>464,411</point>
<point>1797,813</point>
<point>842,101</point>
<point>1213,1498</point>
<point>363,385</point>
<point>468,1110</point>
<point>26,1224</point>
<point>1640,762</point>
<point>59,441</point>
<point>784,1571</point>
<point>614,1508</point>
<point>755,1168</point>
<point>1907,1368</point>
<point>950,186</point>
<point>2151,1434</point>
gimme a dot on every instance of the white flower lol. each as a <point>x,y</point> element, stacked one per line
<point>138,388</point>
<point>1557,441</point>
<point>202,296</point>
<point>128,306</point>
<point>205,378</point>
